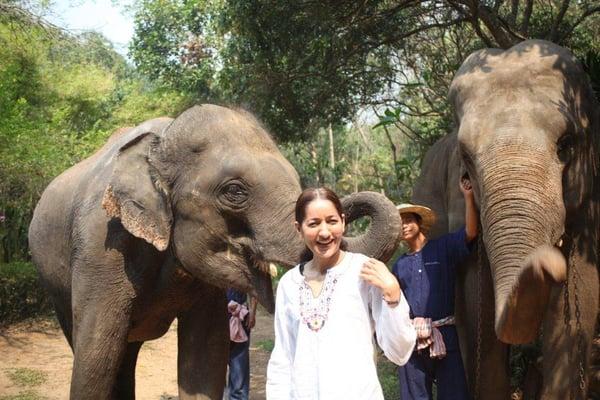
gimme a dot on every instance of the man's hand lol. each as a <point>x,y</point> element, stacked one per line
<point>471,214</point>
<point>250,320</point>
<point>465,186</point>
<point>377,274</point>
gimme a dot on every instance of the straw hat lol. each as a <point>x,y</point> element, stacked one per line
<point>427,215</point>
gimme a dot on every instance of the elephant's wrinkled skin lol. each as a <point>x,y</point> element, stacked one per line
<point>155,226</point>
<point>437,188</point>
<point>528,135</point>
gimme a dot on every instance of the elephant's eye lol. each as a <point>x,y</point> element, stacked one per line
<point>565,146</point>
<point>234,193</point>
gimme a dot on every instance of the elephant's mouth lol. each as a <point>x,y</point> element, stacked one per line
<point>261,282</point>
<point>257,271</point>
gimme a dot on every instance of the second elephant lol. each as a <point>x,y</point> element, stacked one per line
<point>529,137</point>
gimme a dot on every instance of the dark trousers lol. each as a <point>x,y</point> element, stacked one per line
<point>239,370</point>
<point>417,376</point>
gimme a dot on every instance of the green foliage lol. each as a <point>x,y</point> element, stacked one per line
<point>170,44</point>
<point>299,66</point>
<point>21,295</point>
<point>305,66</point>
<point>60,99</point>
<point>419,109</point>
<point>365,159</point>
<point>141,100</point>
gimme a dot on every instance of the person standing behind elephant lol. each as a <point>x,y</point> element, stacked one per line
<point>427,275</point>
<point>327,310</point>
<point>242,318</point>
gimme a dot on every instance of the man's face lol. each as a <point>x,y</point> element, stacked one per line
<point>410,226</point>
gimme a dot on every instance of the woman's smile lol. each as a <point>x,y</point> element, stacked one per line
<point>322,230</point>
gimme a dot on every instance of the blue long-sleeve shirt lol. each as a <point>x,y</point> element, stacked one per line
<point>427,278</point>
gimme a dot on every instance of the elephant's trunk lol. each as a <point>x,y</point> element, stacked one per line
<point>522,218</point>
<point>280,229</point>
<point>381,239</point>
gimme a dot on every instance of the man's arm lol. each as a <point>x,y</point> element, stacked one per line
<point>471,214</point>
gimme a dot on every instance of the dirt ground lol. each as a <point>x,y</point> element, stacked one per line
<point>38,349</point>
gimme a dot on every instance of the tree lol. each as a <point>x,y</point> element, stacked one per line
<point>298,65</point>
<point>61,96</point>
<point>303,65</point>
<point>169,44</point>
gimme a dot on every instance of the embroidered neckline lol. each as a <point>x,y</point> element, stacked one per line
<point>315,310</point>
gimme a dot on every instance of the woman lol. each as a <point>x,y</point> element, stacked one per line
<point>327,310</point>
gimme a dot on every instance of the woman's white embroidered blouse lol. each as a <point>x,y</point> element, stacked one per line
<point>324,345</point>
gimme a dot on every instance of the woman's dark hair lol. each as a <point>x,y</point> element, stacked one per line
<point>310,194</point>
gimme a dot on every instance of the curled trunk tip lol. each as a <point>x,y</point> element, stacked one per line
<point>519,315</point>
<point>381,239</point>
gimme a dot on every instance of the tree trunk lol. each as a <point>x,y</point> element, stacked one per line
<point>331,151</point>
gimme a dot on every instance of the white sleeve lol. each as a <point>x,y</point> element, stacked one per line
<point>279,369</point>
<point>395,332</point>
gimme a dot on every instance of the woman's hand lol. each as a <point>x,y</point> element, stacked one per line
<point>377,274</point>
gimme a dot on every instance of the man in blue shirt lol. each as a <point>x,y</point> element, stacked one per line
<point>427,275</point>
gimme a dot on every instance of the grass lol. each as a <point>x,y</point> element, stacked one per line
<point>388,377</point>
<point>26,377</point>
<point>266,345</point>
<point>28,395</point>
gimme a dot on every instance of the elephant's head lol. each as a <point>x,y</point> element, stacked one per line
<point>528,137</point>
<point>212,188</point>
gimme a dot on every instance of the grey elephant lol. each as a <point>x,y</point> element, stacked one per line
<point>528,135</point>
<point>155,226</point>
<point>484,356</point>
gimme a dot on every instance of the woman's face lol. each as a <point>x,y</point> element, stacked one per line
<point>322,229</point>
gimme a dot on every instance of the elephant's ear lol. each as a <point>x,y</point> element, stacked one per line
<point>137,195</point>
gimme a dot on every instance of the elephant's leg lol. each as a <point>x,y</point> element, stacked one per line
<point>562,353</point>
<point>491,370</point>
<point>125,384</point>
<point>203,347</point>
<point>99,343</point>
